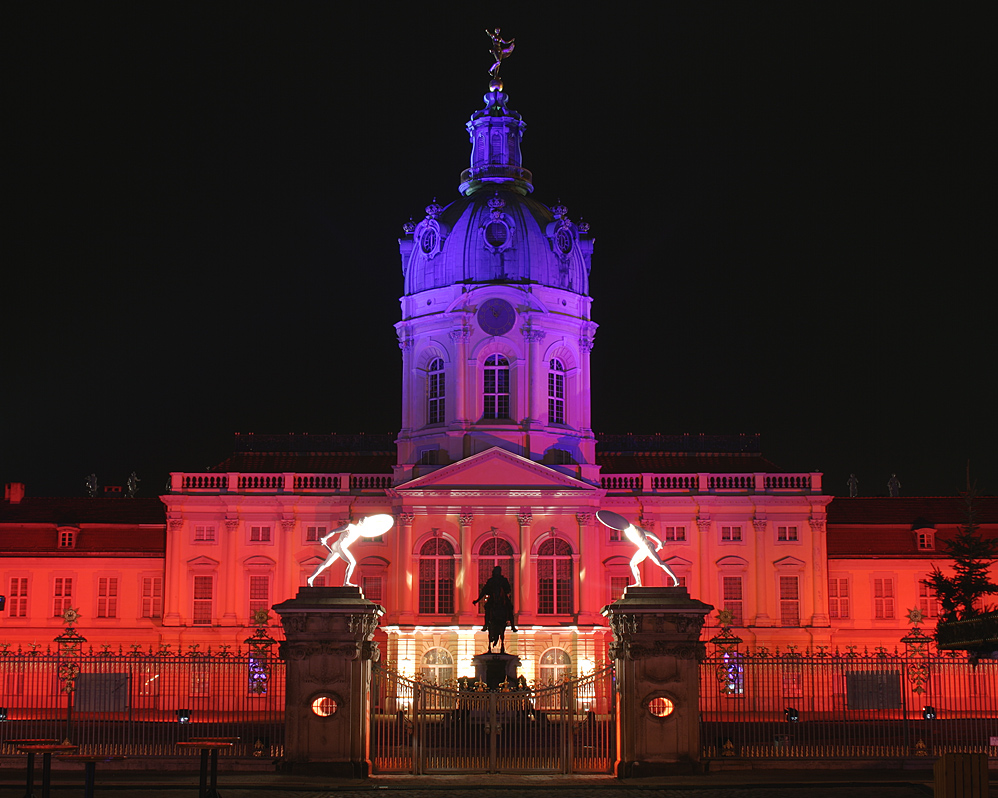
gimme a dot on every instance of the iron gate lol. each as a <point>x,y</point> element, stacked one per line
<point>420,728</point>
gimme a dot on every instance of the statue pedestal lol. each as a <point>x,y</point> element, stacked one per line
<point>494,669</point>
<point>656,650</point>
<point>329,653</point>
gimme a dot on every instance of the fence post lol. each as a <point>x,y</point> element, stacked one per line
<point>657,648</point>
<point>329,650</point>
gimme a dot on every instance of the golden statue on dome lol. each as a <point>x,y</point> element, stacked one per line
<point>501,50</point>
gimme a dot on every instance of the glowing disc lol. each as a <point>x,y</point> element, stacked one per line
<point>373,526</point>
<point>613,520</point>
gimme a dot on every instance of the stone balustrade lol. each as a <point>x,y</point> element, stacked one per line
<point>711,482</point>
<point>285,483</point>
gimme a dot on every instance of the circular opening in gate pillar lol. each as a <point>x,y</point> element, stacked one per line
<point>324,706</point>
<point>661,707</point>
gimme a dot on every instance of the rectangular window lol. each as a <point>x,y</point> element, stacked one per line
<point>926,541</point>
<point>674,533</point>
<point>883,598</point>
<point>928,604</point>
<point>436,398</point>
<point>63,595</point>
<point>204,534</point>
<point>838,598</point>
<point>259,593</point>
<point>67,537</point>
<point>314,534</point>
<point>731,533</point>
<point>371,586</point>
<point>17,599</point>
<point>203,600</point>
<point>786,533</point>
<point>732,597</point>
<point>259,534</point>
<point>617,585</point>
<point>789,601</point>
<point>152,596</point>
<point>107,597</point>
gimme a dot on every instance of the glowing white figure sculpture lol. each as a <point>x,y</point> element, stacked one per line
<point>640,538</point>
<point>371,526</point>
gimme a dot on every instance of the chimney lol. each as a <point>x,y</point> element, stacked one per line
<point>13,492</point>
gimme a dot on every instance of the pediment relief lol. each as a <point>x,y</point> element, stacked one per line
<point>496,469</point>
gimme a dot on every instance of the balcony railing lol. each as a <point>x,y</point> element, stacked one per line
<point>712,483</point>
<point>285,483</point>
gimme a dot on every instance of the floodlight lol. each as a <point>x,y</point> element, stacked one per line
<point>929,713</point>
<point>183,716</point>
<point>791,714</point>
<point>3,714</point>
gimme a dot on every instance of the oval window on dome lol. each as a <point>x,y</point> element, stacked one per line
<point>563,239</point>
<point>429,240</point>
<point>496,234</point>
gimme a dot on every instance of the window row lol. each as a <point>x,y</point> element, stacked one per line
<point>883,595</point>
<point>728,533</point>
<point>495,390</point>
<point>264,533</point>
<point>437,666</point>
<point>436,582</point>
<point>65,594</point>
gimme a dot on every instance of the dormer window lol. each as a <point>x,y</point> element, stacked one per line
<point>926,539</point>
<point>67,537</point>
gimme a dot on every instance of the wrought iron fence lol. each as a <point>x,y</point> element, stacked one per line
<point>140,703</point>
<point>419,727</point>
<point>847,705</point>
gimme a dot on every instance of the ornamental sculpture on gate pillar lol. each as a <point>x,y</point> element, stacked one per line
<point>656,651</point>
<point>329,649</point>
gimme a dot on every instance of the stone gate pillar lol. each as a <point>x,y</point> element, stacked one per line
<point>329,651</point>
<point>656,651</point>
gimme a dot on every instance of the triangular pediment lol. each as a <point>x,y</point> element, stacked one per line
<point>495,470</point>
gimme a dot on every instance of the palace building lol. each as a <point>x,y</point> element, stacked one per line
<point>495,464</point>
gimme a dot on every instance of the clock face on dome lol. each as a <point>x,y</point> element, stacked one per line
<point>496,317</point>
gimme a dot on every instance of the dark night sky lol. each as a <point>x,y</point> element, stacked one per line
<point>791,204</point>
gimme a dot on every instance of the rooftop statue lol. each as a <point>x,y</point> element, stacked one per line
<point>894,486</point>
<point>853,484</point>
<point>371,526</point>
<point>501,49</point>
<point>640,538</point>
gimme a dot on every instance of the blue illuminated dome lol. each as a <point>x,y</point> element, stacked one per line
<point>495,233</point>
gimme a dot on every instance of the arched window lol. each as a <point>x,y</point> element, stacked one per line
<point>435,392</point>
<point>556,392</point>
<point>492,553</point>
<point>436,577</point>
<point>438,666</point>
<point>496,387</point>
<point>554,578</point>
<point>555,665</point>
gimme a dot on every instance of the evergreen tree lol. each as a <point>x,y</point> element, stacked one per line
<point>960,595</point>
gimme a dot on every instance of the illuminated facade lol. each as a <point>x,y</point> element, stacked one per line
<point>495,463</point>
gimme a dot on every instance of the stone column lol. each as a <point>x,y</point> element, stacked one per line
<point>761,617</point>
<point>819,616</point>
<point>460,336</point>
<point>656,649</point>
<point>467,575</point>
<point>227,575</point>
<point>536,384</point>
<point>401,591</point>
<point>175,585</point>
<point>526,604</point>
<point>329,651</point>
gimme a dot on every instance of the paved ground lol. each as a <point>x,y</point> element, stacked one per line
<point>740,784</point>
